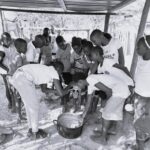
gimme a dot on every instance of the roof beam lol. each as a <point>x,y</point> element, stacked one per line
<point>55,12</point>
<point>121,5</point>
<point>62,4</point>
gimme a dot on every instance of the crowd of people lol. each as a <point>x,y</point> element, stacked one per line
<point>96,67</point>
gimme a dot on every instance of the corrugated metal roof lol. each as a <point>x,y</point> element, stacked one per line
<point>91,6</point>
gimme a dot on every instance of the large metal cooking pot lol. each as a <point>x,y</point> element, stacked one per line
<point>69,125</point>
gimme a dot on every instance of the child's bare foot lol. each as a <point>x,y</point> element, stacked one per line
<point>99,139</point>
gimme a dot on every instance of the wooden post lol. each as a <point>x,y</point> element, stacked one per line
<point>140,34</point>
<point>2,20</point>
<point>106,25</point>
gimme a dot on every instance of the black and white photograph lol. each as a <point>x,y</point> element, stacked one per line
<point>74,74</point>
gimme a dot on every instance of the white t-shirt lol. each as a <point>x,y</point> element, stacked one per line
<point>107,68</point>
<point>32,54</point>
<point>39,74</point>
<point>142,77</point>
<point>119,89</point>
<point>64,57</point>
<point>111,50</point>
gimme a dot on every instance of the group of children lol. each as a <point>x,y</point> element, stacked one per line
<point>96,66</point>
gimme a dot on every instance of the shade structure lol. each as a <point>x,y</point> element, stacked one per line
<point>66,6</point>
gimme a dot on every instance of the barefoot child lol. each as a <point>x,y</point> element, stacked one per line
<point>79,66</point>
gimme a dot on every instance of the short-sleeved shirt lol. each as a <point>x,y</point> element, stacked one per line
<point>78,60</point>
<point>32,54</point>
<point>38,73</point>
<point>64,57</point>
<point>107,68</point>
<point>119,88</point>
<point>142,77</point>
<point>111,50</point>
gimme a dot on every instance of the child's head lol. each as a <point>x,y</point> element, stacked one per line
<point>46,32</point>
<point>21,45</point>
<point>6,39</point>
<point>39,41</point>
<point>98,37</point>
<point>77,45</point>
<point>2,55</point>
<point>96,54</point>
<point>61,42</point>
<point>143,45</point>
<point>59,67</point>
<point>86,47</point>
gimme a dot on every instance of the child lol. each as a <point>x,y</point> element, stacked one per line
<point>116,91</point>
<point>21,48</point>
<point>63,55</point>
<point>9,61</point>
<point>46,50</point>
<point>107,66</point>
<point>33,49</point>
<point>87,47</point>
<point>78,62</point>
<point>142,86</point>
<point>111,46</point>
<point>24,80</point>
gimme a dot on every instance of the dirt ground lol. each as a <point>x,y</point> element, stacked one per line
<point>49,112</point>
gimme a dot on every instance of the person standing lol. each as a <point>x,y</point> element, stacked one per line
<point>46,50</point>
<point>111,46</point>
<point>33,49</point>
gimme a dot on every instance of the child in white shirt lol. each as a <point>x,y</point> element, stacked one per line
<point>111,46</point>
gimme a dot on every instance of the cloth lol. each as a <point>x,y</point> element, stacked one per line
<point>64,57</point>
<point>111,50</point>
<point>113,109</point>
<point>39,74</point>
<point>142,77</point>
<point>27,91</point>
<point>119,88</point>
<point>78,61</point>
<point>32,54</point>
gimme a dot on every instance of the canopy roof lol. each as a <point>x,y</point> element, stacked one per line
<point>66,6</point>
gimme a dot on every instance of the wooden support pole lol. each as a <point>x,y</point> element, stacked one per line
<point>106,25</point>
<point>2,20</point>
<point>140,34</point>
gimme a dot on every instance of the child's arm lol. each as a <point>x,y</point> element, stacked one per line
<point>93,68</point>
<point>121,56</point>
<point>104,88</point>
<point>123,68</point>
